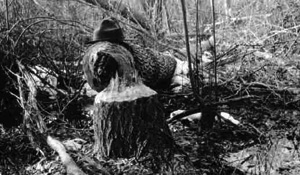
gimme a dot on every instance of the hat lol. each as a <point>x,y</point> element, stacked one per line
<point>109,30</point>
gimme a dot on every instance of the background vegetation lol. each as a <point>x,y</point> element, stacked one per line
<point>42,90</point>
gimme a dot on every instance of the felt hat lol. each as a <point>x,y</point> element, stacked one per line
<point>109,30</point>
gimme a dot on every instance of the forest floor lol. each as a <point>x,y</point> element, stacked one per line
<point>266,142</point>
<point>258,56</point>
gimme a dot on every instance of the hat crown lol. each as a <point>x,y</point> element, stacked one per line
<point>109,30</point>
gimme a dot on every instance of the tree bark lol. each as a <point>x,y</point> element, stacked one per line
<point>128,118</point>
<point>156,70</point>
<point>128,121</point>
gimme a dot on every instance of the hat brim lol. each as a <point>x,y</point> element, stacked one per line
<point>93,42</point>
<point>105,40</point>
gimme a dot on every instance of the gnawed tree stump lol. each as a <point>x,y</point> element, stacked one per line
<point>129,121</point>
<point>128,118</point>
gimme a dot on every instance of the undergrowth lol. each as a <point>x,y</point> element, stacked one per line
<point>258,66</point>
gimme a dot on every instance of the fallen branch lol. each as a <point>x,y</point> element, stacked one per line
<point>229,118</point>
<point>68,162</point>
<point>198,116</point>
<point>183,114</point>
<point>197,110</point>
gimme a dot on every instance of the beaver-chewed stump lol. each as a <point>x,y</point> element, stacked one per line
<point>128,118</point>
<point>130,121</point>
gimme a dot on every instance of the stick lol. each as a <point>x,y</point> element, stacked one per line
<point>68,162</point>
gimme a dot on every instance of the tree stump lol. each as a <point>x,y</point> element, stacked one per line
<point>129,121</point>
<point>128,118</point>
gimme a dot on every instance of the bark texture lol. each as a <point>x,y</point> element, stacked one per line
<point>130,122</point>
<point>128,118</point>
<point>102,60</point>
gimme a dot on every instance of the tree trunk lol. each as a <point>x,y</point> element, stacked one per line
<point>128,118</point>
<point>128,121</point>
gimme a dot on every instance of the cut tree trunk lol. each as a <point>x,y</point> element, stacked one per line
<point>128,118</point>
<point>102,59</point>
<point>129,121</point>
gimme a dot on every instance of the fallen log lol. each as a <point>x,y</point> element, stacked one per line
<point>156,70</point>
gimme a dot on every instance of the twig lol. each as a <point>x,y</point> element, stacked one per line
<point>214,49</point>
<point>195,91</point>
<point>146,33</point>
<point>256,129</point>
<point>45,20</point>
<point>7,22</point>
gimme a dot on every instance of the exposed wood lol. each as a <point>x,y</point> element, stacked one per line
<point>155,69</point>
<point>34,125</point>
<point>68,162</point>
<point>101,62</point>
<point>129,121</point>
<point>128,118</point>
